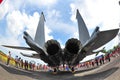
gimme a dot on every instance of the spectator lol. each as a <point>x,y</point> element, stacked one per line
<point>30,65</point>
<point>16,61</point>
<point>21,63</point>
<point>19,59</point>
<point>102,59</point>
<point>8,59</point>
<point>108,57</point>
<point>92,63</point>
<point>96,61</point>
<point>38,66</point>
<point>26,65</point>
<point>33,66</point>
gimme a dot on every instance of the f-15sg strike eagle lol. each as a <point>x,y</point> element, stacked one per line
<point>74,51</point>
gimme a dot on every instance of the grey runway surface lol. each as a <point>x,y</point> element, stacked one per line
<point>108,71</point>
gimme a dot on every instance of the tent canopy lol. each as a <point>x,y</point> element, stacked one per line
<point>91,57</point>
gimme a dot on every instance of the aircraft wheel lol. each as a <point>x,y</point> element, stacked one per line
<point>55,71</point>
<point>73,70</point>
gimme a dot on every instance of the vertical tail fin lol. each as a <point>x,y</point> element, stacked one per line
<point>83,32</point>
<point>40,34</point>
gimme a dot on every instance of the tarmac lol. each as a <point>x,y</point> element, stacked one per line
<point>108,71</point>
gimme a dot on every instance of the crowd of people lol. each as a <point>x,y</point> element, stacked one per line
<point>28,65</point>
<point>31,65</point>
<point>25,64</point>
<point>98,61</point>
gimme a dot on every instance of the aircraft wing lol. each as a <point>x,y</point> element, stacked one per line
<point>33,55</point>
<point>18,47</point>
<point>100,39</point>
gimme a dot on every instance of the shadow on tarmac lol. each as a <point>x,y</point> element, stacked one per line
<point>62,75</point>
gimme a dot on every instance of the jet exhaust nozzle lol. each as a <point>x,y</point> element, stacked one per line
<point>54,52</point>
<point>52,47</point>
<point>71,50</point>
<point>72,46</point>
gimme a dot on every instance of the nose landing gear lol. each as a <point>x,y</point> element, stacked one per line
<point>55,71</point>
<point>72,70</point>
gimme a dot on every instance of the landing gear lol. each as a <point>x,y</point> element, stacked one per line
<point>55,71</point>
<point>72,69</point>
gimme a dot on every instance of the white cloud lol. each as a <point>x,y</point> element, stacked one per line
<point>75,35</point>
<point>10,5</point>
<point>47,32</point>
<point>17,22</point>
<point>53,20</point>
<point>8,40</point>
<point>61,44</point>
<point>4,9</point>
<point>97,12</point>
<point>40,3</point>
<point>102,13</point>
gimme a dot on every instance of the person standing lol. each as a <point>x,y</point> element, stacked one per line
<point>21,62</point>
<point>19,59</point>
<point>102,59</point>
<point>16,61</point>
<point>8,58</point>
<point>108,57</point>
<point>96,61</point>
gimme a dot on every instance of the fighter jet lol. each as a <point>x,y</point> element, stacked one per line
<point>73,52</point>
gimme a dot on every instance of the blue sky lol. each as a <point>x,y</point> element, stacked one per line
<point>17,16</point>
